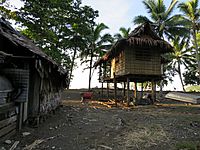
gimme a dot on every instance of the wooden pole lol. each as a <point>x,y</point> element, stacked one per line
<point>153,92</point>
<point>124,92</point>
<point>101,89</point>
<point>115,86</point>
<point>20,119</point>
<point>142,90</point>
<point>128,88</point>
<point>135,92</point>
<point>107,89</point>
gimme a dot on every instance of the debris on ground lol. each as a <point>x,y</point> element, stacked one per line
<point>14,145</point>
<point>94,126</point>
<point>8,142</point>
<point>25,134</point>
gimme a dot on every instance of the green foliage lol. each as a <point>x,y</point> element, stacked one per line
<point>5,10</point>
<point>191,14</point>
<point>187,145</point>
<point>161,18</point>
<point>191,76</point>
<point>96,46</point>
<point>194,88</point>
<point>180,57</point>
<point>123,33</point>
<point>57,26</point>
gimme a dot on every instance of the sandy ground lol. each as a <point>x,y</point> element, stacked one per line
<point>93,126</point>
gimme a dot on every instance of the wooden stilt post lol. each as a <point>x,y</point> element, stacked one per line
<point>20,117</point>
<point>124,92</point>
<point>107,90</point>
<point>128,88</point>
<point>142,89</point>
<point>135,92</point>
<point>115,86</point>
<point>153,91</point>
<point>101,89</point>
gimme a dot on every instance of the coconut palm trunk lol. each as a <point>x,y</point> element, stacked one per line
<point>180,76</point>
<point>90,71</point>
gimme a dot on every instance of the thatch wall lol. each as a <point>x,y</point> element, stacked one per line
<point>142,62</point>
<point>136,61</point>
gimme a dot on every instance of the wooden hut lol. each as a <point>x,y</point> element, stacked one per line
<point>30,81</point>
<point>136,58</point>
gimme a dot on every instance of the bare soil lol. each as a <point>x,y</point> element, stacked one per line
<point>93,126</point>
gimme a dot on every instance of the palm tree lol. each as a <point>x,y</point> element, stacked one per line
<point>123,33</point>
<point>97,43</point>
<point>181,56</point>
<point>191,14</point>
<point>161,18</point>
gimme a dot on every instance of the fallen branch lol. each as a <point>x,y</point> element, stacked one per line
<point>14,145</point>
<point>106,147</point>
<point>33,145</point>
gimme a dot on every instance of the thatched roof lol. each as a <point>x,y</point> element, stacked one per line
<point>142,37</point>
<point>9,33</point>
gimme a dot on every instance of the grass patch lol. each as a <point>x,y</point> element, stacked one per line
<point>194,88</point>
<point>145,137</point>
<point>187,145</point>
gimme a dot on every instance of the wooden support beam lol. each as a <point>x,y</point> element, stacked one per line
<point>124,90</point>
<point>7,121</point>
<point>153,93</point>
<point>128,88</point>
<point>108,90</point>
<point>101,89</point>
<point>20,116</point>
<point>135,91</point>
<point>115,86</point>
<point>7,129</point>
<point>142,89</point>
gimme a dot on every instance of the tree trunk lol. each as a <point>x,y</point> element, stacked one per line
<point>90,73</point>
<point>180,76</point>
<point>72,66</point>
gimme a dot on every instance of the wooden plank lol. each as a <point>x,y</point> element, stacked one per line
<point>6,107</point>
<point>7,129</point>
<point>7,121</point>
<point>184,97</point>
<point>7,136</point>
<point>128,89</point>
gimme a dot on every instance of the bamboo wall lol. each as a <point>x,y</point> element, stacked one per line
<point>137,62</point>
<point>118,65</point>
<point>143,62</point>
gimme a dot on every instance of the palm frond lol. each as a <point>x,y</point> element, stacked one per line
<point>118,36</point>
<point>141,19</point>
<point>171,8</point>
<point>97,31</point>
<point>187,9</point>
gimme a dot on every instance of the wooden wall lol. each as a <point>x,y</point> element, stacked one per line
<point>8,120</point>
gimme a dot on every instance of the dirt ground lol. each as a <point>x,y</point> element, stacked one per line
<point>93,126</point>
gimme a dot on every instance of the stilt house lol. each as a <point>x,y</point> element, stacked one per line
<point>30,81</point>
<point>136,58</point>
